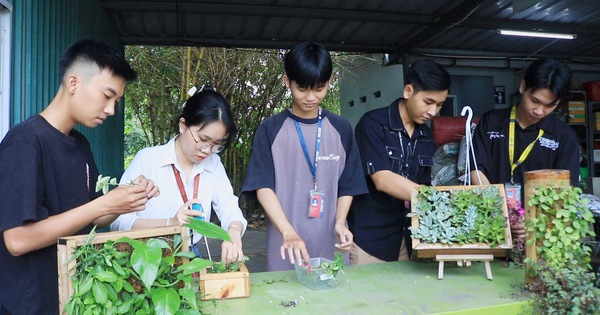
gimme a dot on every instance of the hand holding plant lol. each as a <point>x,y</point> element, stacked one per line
<point>104,182</point>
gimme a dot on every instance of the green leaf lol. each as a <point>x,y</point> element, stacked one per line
<point>119,270</point>
<point>208,229</point>
<point>112,293</point>
<point>189,255</point>
<point>166,301</point>
<point>125,307</point>
<point>145,260</point>
<point>127,286</point>
<point>85,285</point>
<point>106,276</point>
<point>194,265</point>
<point>190,297</point>
<point>159,243</point>
<point>99,292</point>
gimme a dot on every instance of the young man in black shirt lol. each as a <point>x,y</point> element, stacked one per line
<point>396,149</point>
<point>527,137</point>
<point>48,178</point>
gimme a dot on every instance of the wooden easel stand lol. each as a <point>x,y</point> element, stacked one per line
<point>464,260</point>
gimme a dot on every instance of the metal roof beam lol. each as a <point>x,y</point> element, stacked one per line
<point>266,11</point>
<point>247,43</point>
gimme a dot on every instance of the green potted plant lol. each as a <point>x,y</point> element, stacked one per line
<point>137,276</point>
<point>460,219</point>
<point>560,277</point>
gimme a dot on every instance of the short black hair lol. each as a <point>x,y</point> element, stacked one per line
<point>428,75</point>
<point>550,74</point>
<point>99,53</point>
<point>207,106</point>
<point>308,64</point>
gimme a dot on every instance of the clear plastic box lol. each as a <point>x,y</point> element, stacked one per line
<point>314,277</point>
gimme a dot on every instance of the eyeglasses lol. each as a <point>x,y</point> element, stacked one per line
<point>203,145</point>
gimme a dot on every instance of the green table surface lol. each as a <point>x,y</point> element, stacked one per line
<point>386,288</point>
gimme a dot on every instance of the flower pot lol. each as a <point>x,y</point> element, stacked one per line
<point>314,277</point>
<point>225,285</point>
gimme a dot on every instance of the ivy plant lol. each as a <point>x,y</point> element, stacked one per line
<point>562,221</point>
<point>561,279</point>
<point>460,216</point>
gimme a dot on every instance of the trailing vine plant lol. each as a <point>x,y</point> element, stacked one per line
<point>562,281</point>
<point>562,221</point>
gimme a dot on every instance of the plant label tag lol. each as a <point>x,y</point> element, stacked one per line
<point>513,194</point>
<point>325,276</point>
<point>317,200</point>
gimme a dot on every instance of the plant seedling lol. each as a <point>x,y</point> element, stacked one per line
<point>220,267</point>
<point>332,268</point>
<point>104,182</point>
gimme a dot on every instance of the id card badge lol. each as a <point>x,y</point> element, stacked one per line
<point>317,201</point>
<point>513,194</point>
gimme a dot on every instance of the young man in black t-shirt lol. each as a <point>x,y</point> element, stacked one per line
<point>48,178</point>
<point>540,139</point>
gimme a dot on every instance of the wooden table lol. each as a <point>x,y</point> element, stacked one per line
<point>387,288</point>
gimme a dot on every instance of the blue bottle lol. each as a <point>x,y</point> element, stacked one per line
<point>197,206</point>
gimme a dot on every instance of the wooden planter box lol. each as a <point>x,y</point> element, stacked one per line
<point>67,245</point>
<point>225,285</point>
<point>430,250</point>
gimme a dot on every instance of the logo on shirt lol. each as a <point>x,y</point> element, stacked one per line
<point>549,143</point>
<point>495,135</point>
<point>330,157</point>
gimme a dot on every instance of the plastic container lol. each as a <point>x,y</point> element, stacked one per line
<point>314,277</point>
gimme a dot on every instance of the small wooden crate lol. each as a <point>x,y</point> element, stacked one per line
<point>67,245</point>
<point>430,250</point>
<point>225,285</point>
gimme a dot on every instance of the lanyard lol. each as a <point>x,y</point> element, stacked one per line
<point>406,156</point>
<point>313,168</point>
<point>511,144</point>
<point>180,184</point>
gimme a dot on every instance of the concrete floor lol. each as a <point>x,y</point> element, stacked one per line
<point>254,245</point>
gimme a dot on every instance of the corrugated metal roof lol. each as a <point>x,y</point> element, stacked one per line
<point>453,27</point>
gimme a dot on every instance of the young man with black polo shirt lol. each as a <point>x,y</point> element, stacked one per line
<point>527,137</point>
<point>48,178</point>
<point>396,149</point>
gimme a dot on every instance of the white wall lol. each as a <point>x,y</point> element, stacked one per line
<point>369,86</point>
